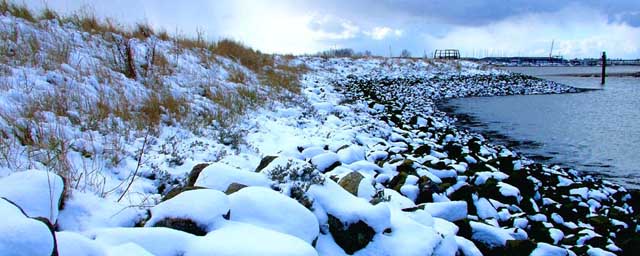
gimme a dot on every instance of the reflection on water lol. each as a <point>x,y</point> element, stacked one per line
<point>596,132</point>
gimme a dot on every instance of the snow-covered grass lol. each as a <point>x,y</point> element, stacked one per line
<point>79,95</point>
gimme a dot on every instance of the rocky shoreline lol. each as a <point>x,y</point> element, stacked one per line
<point>530,202</point>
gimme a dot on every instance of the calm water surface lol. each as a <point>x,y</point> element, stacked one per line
<point>596,132</point>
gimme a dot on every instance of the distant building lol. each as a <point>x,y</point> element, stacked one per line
<point>446,54</point>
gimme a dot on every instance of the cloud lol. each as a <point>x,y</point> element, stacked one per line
<point>532,34</point>
<point>379,33</point>
<point>496,27</point>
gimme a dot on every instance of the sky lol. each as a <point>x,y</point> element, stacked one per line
<point>478,28</point>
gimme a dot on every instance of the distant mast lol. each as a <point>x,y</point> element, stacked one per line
<point>551,51</point>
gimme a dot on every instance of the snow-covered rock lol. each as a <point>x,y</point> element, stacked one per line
<point>235,238</point>
<point>21,235</point>
<point>195,211</point>
<point>38,193</point>
<point>490,236</point>
<point>269,209</point>
<point>451,211</point>
<point>219,176</point>
<point>158,241</point>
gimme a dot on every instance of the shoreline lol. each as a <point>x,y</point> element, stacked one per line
<point>550,199</point>
<point>473,125</point>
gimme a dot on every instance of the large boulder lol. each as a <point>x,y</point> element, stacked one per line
<point>236,238</point>
<point>269,209</point>
<point>194,211</point>
<point>352,221</point>
<point>37,193</point>
<point>22,235</point>
<point>157,241</point>
<point>219,176</point>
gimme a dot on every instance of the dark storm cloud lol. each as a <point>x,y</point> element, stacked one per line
<point>470,13</point>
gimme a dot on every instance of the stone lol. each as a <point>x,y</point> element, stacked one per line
<point>351,182</point>
<point>265,162</point>
<point>181,224</point>
<point>350,237</point>
<point>234,187</point>
<point>195,172</point>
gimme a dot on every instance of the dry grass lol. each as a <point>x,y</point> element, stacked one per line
<point>143,31</point>
<point>236,75</point>
<point>253,60</point>
<point>20,11</point>
<point>282,79</point>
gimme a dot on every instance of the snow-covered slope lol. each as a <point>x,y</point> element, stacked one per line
<point>358,162</point>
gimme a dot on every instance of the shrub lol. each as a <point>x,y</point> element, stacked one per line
<point>295,180</point>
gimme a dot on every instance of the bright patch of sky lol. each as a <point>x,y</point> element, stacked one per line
<point>384,27</point>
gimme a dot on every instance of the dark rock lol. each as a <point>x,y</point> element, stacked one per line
<point>454,151</point>
<point>185,225</point>
<point>265,162</point>
<point>351,182</point>
<point>426,190</point>
<point>519,247</point>
<point>465,193</point>
<point>422,150</point>
<point>195,172</point>
<point>629,242</point>
<point>474,145</point>
<point>519,180</point>
<point>601,224</point>
<point>53,233</point>
<point>350,237</point>
<point>597,241</point>
<point>539,232</point>
<point>176,191</point>
<point>580,250</point>
<point>234,187</point>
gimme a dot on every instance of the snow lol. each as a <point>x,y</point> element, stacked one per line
<point>21,235</point>
<point>582,192</point>
<point>351,154</point>
<point>556,234</point>
<point>71,243</point>
<point>509,190</point>
<point>491,236</point>
<point>485,209</point>
<point>205,207</point>
<point>219,176</point>
<point>325,160</point>
<point>85,210</point>
<point>544,249</point>
<point>269,209</point>
<point>36,192</point>
<point>157,241</point>
<point>235,238</point>
<point>408,237</point>
<point>349,209</point>
<point>451,211</point>
<point>467,247</point>
<point>128,249</point>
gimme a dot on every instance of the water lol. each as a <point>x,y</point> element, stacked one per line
<point>596,132</point>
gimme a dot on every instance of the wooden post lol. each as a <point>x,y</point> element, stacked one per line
<point>604,67</point>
